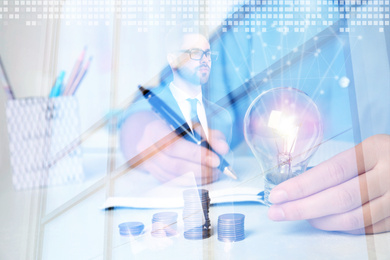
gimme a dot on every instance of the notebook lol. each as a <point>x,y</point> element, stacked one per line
<point>149,193</point>
<point>138,189</point>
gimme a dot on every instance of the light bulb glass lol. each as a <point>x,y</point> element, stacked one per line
<point>283,128</point>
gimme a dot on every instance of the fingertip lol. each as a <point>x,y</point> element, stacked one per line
<point>276,213</point>
<point>278,196</point>
<point>220,146</point>
<point>223,146</point>
<point>213,160</point>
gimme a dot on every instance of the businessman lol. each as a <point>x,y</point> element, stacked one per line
<point>190,59</point>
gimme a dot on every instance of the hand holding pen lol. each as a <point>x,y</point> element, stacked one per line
<point>183,154</point>
<point>149,143</point>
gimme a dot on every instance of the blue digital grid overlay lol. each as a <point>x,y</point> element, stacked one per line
<point>248,15</point>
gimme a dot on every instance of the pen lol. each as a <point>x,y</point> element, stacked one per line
<point>5,82</point>
<point>182,129</point>
<point>56,90</point>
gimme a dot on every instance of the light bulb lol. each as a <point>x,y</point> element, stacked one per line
<point>283,128</point>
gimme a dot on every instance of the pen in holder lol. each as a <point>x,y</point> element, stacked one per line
<point>39,130</point>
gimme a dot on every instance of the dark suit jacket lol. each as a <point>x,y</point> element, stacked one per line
<point>217,117</point>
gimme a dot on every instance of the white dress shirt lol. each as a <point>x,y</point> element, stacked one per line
<point>185,107</point>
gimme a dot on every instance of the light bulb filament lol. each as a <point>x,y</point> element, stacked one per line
<point>284,127</point>
<point>284,163</point>
<point>284,160</point>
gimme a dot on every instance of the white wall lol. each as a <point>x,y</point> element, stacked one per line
<point>21,49</point>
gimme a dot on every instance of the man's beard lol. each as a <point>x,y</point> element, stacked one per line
<point>193,77</point>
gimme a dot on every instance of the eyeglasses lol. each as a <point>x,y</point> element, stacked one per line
<point>197,54</point>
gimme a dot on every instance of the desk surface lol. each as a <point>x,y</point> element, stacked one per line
<point>66,222</point>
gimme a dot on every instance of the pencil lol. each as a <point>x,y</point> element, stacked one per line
<point>79,78</point>
<point>6,85</point>
<point>75,72</point>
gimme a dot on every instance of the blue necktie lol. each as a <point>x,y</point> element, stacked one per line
<point>195,119</point>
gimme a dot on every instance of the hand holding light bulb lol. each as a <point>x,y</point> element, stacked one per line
<point>349,193</point>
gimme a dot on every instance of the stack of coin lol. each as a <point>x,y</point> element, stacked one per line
<point>131,228</point>
<point>164,224</point>
<point>196,214</point>
<point>231,227</point>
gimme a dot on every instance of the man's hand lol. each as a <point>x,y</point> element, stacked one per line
<point>148,142</point>
<point>350,192</point>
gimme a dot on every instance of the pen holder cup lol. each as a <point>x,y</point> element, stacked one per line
<point>41,133</point>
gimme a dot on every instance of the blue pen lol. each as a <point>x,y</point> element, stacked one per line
<point>182,129</point>
<point>57,88</point>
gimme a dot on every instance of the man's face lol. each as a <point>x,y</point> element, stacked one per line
<point>194,71</point>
